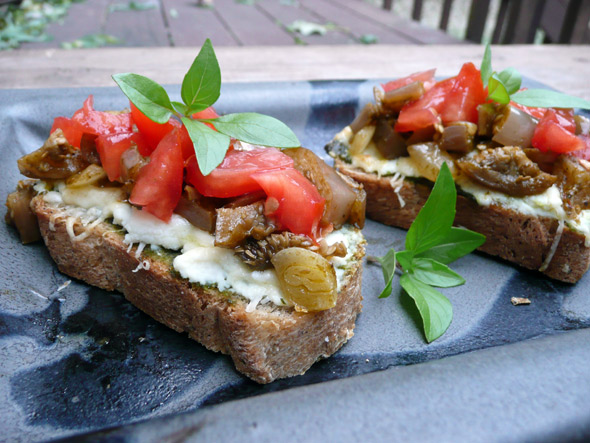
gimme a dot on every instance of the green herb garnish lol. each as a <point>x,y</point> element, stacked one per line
<point>431,243</point>
<point>504,86</point>
<point>200,89</point>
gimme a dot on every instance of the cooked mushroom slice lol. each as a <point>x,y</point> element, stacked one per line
<point>20,214</point>
<point>234,225</point>
<point>506,169</point>
<point>545,160</point>
<point>486,114</point>
<point>428,158</point>
<point>514,127</point>
<point>200,211</point>
<point>56,159</point>
<point>308,280</point>
<point>257,253</point>
<point>88,148</point>
<point>246,199</point>
<point>573,179</point>
<point>365,117</point>
<point>394,100</point>
<point>458,137</point>
<point>90,176</point>
<point>390,143</point>
<point>422,135</point>
<point>131,163</point>
<point>361,139</point>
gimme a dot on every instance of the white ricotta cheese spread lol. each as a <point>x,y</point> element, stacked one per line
<point>546,204</point>
<point>199,260</point>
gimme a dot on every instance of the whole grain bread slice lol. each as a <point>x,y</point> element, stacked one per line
<point>266,344</point>
<point>529,241</point>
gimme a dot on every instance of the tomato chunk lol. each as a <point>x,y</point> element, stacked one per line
<point>111,147</point>
<point>535,112</point>
<point>233,176</point>
<point>88,120</point>
<point>292,200</point>
<point>453,99</point>
<point>159,183</point>
<point>460,103</point>
<point>208,113</point>
<point>424,112</point>
<point>152,132</point>
<point>426,77</point>
<point>549,135</point>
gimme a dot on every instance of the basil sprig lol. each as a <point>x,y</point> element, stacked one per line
<point>200,89</point>
<point>431,243</point>
<point>504,86</point>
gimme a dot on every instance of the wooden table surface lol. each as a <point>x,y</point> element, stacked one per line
<point>566,68</point>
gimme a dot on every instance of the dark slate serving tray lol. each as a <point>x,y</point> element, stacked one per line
<point>84,361</point>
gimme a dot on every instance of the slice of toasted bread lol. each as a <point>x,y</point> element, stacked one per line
<point>530,241</point>
<point>266,344</point>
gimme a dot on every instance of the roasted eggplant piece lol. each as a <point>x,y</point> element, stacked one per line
<point>508,170</point>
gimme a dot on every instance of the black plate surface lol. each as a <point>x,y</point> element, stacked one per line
<point>81,360</point>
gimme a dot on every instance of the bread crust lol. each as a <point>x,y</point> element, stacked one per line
<point>522,239</point>
<point>266,344</point>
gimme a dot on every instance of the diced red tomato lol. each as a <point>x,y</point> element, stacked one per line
<point>188,149</point>
<point>426,77</point>
<point>233,176</point>
<point>159,183</point>
<point>292,200</point>
<point>414,119</point>
<point>208,113</point>
<point>535,112</point>
<point>152,132</point>
<point>423,112</point>
<point>467,93</point>
<point>454,99</point>
<point>551,136</point>
<point>88,120</point>
<point>565,118</point>
<point>111,147</point>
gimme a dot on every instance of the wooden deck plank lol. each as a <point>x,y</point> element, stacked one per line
<point>137,28</point>
<point>412,30</point>
<point>250,25</point>
<point>191,25</point>
<point>286,14</point>
<point>568,71</point>
<point>82,19</point>
<point>357,24</point>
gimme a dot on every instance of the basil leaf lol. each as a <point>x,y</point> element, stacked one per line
<point>436,274</point>
<point>435,309</point>
<point>210,146</point>
<point>497,91</point>
<point>456,244</point>
<point>202,83</point>
<point>511,80</point>
<point>544,98</point>
<point>388,269</point>
<point>257,129</point>
<point>181,108</point>
<point>486,65</point>
<point>149,97</point>
<point>404,258</point>
<point>436,216</point>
